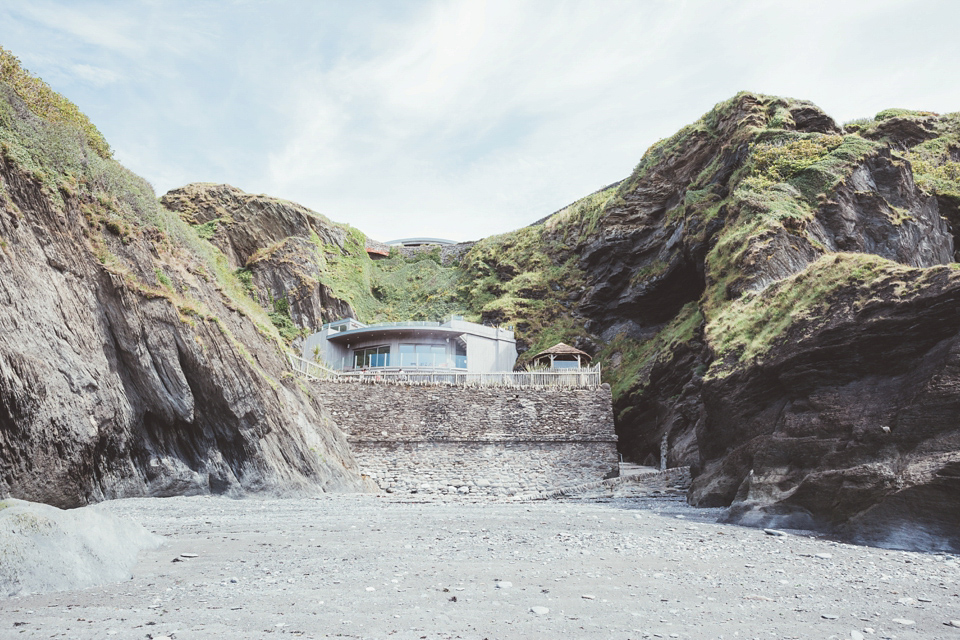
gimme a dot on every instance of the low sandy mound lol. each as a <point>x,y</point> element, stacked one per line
<point>43,548</point>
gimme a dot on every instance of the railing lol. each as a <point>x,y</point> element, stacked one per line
<point>408,323</point>
<point>313,370</point>
<point>585,378</point>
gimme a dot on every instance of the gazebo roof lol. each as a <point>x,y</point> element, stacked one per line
<point>561,349</point>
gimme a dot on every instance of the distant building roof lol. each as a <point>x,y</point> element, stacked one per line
<point>375,248</point>
<point>416,242</point>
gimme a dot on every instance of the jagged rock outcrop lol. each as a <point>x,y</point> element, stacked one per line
<point>281,243</point>
<point>767,293</point>
<point>701,286</point>
<point>131,361</point>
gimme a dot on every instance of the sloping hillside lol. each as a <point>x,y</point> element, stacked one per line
<point>132,360</point>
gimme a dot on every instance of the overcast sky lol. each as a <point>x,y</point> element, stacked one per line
<point>456,119</point>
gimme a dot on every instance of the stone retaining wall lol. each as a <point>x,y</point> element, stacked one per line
<point>499,441</point>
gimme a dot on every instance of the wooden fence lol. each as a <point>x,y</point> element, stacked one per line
<point>583,378</point>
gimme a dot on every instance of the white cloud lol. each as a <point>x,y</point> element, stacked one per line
<point>97,76</point>
<point>464,118</point>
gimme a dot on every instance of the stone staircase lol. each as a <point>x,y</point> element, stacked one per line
<point>642,481</point>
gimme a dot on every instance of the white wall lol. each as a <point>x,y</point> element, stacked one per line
<point>489,349</point>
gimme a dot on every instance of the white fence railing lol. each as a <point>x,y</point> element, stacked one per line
<point>309,369</point>
<point>584,378</point>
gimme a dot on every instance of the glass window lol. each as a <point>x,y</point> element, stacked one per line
<point>371,357</point>
<point>423,355</point>
<point>565,364</point>
<point>408,355</point>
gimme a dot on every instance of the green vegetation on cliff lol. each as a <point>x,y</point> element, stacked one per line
<point>527,278</point>
<point>389,289</point>
<point>414,288</point>
<point>46,138</point>
<point>746,328</point>
<point>47,104</point>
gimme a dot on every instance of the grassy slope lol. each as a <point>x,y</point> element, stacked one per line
<point>390,289</point>
<point>46,137</point>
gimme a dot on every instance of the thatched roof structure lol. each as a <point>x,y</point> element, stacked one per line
<point>562,352</point>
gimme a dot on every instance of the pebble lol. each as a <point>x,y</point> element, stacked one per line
<point>588,597</point>
<point>953,623</point>
<point>905,622</point>
<point>540,611</point>
<point>188,555</point>
<point>370,589</point>
<point>775,532</point>
<point>856,635</point>
<point>829,616</point>
<point>504,584</point>
<point>824,556</point>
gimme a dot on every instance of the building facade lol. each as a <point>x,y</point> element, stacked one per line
<point>454,345</point>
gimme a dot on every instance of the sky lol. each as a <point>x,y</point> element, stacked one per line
<point>456,119</point>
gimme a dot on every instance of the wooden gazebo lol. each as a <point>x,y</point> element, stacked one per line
<point>561,356</point>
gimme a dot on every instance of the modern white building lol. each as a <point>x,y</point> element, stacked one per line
<point>454,345</point>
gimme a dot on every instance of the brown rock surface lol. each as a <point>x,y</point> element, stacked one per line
<point>280,242</point>
<point>131,363</point>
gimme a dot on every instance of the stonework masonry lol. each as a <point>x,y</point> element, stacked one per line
<point>500,441</point>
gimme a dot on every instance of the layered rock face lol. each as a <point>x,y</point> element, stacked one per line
<point>849,420</point>
<point>764,293</point>
<point>132,362</point>
<point>280,243</point>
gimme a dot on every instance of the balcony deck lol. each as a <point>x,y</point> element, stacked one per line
<point>585,378</point>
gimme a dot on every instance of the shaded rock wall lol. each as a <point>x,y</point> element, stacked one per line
<point>849,422</point>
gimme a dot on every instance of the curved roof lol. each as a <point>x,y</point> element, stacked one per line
<point>561,349</point>
<point>380,331</point>
<point>415,241</point>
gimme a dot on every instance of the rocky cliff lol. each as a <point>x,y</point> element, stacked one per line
<point>771,294</point>
<point>132,360</point>
<point>773,299</point>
